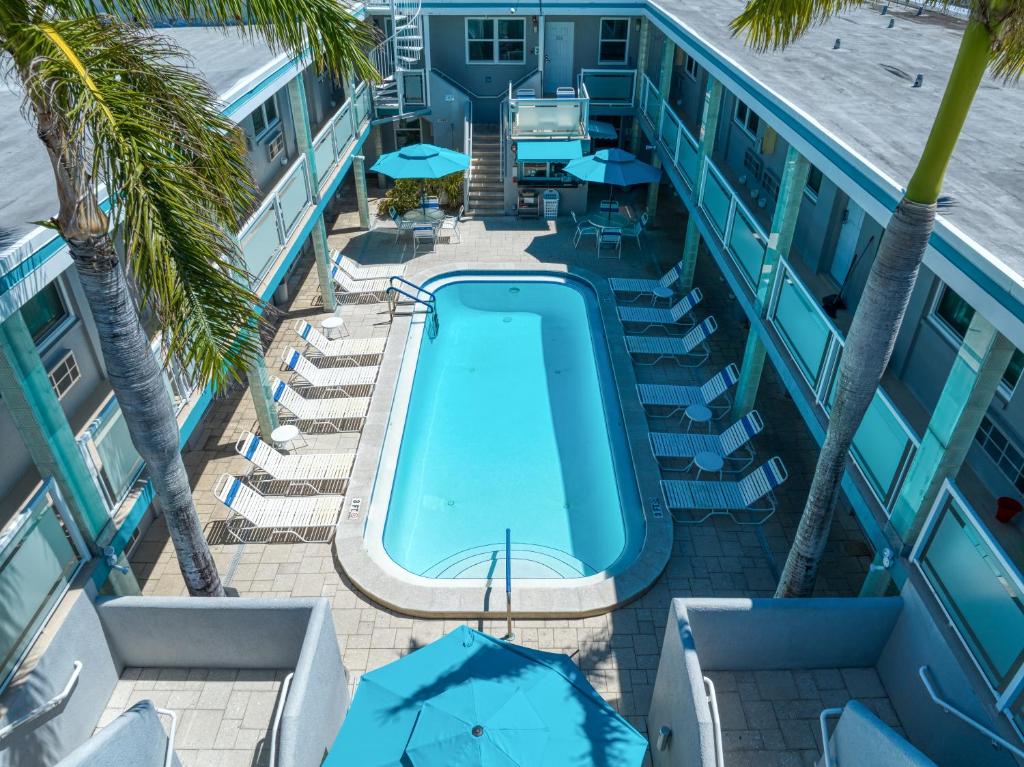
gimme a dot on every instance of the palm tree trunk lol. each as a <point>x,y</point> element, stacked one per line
<point>137,380</point>
<point>877,320</point>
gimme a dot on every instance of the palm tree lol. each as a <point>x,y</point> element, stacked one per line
<point>116,105</point>
<point>994,36</point>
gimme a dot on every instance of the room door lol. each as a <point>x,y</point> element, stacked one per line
<point>846,245</point>
<point>558,38</point>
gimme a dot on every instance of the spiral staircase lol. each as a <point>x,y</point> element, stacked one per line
<point>399,53</point>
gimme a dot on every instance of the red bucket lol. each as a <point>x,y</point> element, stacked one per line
<point>1007,508</point>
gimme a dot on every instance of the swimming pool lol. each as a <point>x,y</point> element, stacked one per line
<point>511,421</point>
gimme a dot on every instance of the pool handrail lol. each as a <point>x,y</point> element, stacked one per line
<point>418,288</point>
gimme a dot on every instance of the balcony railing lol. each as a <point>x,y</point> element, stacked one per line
<point>885,443</point>
<point>112,459</point>
<point>41,551</point>
<point>548,118</point>
<point>982,593</point>
<point>609,87</point>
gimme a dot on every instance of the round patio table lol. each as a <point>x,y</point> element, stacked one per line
<point>284,437</point>
<point>709,462</point>
<point>697,414</point>
<point>432,216</point>
<point>616,221</point>
<point>333,327</point>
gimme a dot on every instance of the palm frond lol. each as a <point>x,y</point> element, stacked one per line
<point>774,24</point>
<point>1008,55</point>
<point>335,39</point>
<point>156,136</point>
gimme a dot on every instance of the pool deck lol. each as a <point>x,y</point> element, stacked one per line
<point>619,649</point>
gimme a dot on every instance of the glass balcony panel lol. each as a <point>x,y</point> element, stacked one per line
<point>261,242</point>
<point>294,197</point>
<point>669,131</point>
<point>548,117</point>
<point>747,247</point>
<point>412,82</point>
<point>715,201</point>
<point>325,156</point>
<point>342,130</point>
<point>881,448</point>
<point>653,105</point>
<point>37,563</point>
<point>609,87</point>
<point>983,599</point>
<point>803,329</point>
<point>117,460</point>
<point>687,157</point>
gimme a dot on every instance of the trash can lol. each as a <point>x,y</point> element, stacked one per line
<point>551,198</point>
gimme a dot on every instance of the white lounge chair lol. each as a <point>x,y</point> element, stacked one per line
<point>351,348</point>
<point>252,512</point>
<point>328,378</point>
<point>733,444</point>
<point>335,413</point>
<point>652,317</point>
<point>641,288</point>
<point>678,398</point>
<point>345,285</point>
<point>751,498</point>
<point>689,351</point>
<point>367,271</point>
<point>312,470</point>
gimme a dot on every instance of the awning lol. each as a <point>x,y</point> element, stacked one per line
<point>602,130</point>
<point>548,151</point>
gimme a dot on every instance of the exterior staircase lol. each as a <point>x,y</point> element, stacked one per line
<point>398,53</point>
<point>486,190</point>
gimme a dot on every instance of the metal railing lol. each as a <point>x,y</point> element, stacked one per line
<point>106,445</point>
<point>609,87</point>
<point>57,701</point>
<point>429,303</point>
<point>548,118</point>
<point>278,714</point>
<point>949,708</point>
<point>467,149</point>
<point>716,721</point>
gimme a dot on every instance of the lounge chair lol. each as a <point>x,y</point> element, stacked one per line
<point>335,413</point>
<point>733,444</point>
<point>689,351</point>
<point>368,271</point>
<point>346,347</point>
<point>678,398</point>
<point>328,378</point>
<point>346,285</point>
<point>252,511</point>
<point>312,470</point>
<point>753,495</point>
<point>652,317</point>
<point>641,288</point>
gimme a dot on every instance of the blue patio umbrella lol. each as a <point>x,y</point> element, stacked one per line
<point>615,167</point>
<point>469,699</point>
<point>421,161</point>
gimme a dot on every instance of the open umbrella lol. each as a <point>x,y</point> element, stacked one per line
<point>421,161</point>
<point>615,167</point>
<point>470,699</point>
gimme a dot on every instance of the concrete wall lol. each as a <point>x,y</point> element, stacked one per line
<point>586,39</point>
<point>264,172</point>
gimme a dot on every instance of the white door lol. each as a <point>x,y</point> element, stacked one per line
<point>846,245</point>
<point>557,55</point>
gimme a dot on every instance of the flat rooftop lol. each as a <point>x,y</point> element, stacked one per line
<point>27,194</point>
<point>862,94</point>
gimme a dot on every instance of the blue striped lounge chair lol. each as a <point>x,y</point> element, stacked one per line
<point>251,513</point>
<point>347,286</point>
<point>350,348</point>
<point>749,501</point>
<point>665,319</point>
<point>328,378</point>
<point>689,351</point>
<point>678,397</point>
<point>312,470</point>
<point>335,413</point>
<point>644,288</point>
<point>733,444</point>
<point>366,272</point>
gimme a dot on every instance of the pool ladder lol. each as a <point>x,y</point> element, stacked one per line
<point>420,295</point>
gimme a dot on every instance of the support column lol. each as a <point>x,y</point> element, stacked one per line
<point>259,388</point>
<point>780,239</point>
<point>643,52</point>
<point>322,256</point>
<point>303,134</point>
<point>973,380</point>
<point>362,200</point>
<point>45,431</point>
<point>668,55</point>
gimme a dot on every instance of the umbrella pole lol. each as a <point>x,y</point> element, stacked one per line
<point>509,636</point>
<point>611,189</point>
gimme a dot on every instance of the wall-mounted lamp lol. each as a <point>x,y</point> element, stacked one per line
<point>664,737</point>
<point>535,23</point>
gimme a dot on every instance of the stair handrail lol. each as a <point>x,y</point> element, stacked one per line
<point>53,703</point>
<point>419,288</point>
<point>467,149</point>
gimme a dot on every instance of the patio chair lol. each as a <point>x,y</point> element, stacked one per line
<point>423,236</point>
<point>609,206</point>
<point>733,444</point>
<point>565,92</point>
<point>689,351</point>
<point>610,239</point>
<point>368,271</point>
<point>583,228</point>
<point>251,511</point>
<point>431,201</point>
<point>678,398</point>
<point>336,413</point>
<point>347,347</point>
<point>526,93</point>
<point>347,286</point>
<point>753,495</point>
<point>641,288</point>
<point>450,226</point>
<point>637,229</point>
<point>400,224</point>
<point>312,470</point>
<point>328,378</point>
<point>652,317</point>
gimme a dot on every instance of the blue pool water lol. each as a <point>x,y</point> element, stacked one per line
<point>513,422</point>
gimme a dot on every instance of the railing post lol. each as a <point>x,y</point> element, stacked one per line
<point>322,254</point>
<point>668,54</point>
<point>303,135</point>
<point>705,146</point>
<point>643,52</point>
<point>362,199</point>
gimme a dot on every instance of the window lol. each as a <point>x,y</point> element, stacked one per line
<point>265,116</point>
<point>614,45</point>
<point>44,312</point>
<point>64,374</point>
<point>500,41</point>
<point>813,187</point>
<point>747,119</point>
<point>955,315</point>
<point>691,66</point>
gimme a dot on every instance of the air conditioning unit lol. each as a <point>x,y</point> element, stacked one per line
<point>275,146</point>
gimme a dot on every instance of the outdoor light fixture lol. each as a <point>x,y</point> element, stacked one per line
<point>664,736</point>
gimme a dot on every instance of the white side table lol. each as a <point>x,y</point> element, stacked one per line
<point>697,414</point>
<point>285,437</point>
<point>709,462</point>
<point>333,327</point>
